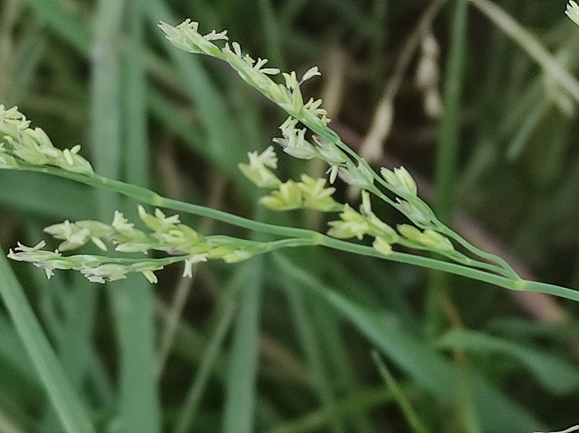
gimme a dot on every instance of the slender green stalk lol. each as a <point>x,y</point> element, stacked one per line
<point>503,269</point>
<point>466,401</point>
<point>191,404</point>
<point>409,412</point>
<point>316,420</point>
<point>309,237</point>
<point>289,97</point>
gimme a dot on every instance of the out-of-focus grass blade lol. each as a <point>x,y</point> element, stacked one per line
<point>547,163</point>
<point>74,329</point>
<point>313,352</point>
<point>136,154</point>
<point>14,354</point>
<point>189,345</point>
<point>417,359</point>
<point>351,14</point>
<point>220,126</point>
<point>31,53</point>
<point>66,402</point>
<point>553,373</point>
<point>451,122</point>
<point>63,22</point>
<point>402,400</point>
<point>427,367</point>
<point>174,120</point>
<point>338,357</point>
<point>140,387</point>
<point>316,420</point>
<point>46,195</point>
<point>222,319</point>
<point>240,393</point>
<point>272,34</point>
<point>523,329</point>
<point>526,130</point>
<point>22,392</point>
<point>139,401</point>
<point>105,97</point>
<point>534,48</point>
<point>132,298</point>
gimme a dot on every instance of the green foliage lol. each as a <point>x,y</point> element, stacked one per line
<point>283,341</point>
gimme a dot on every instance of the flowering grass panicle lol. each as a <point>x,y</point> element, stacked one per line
<point>21,145</point>
<point>305,135</point>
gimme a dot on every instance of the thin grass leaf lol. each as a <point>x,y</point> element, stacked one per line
<point>313,351</point>
<point>139,400</point>
<point>409,413</point>
<point>68,405</point>
<point>222,137</point>
<point>551,371</point>
<point>74,344</point>
<point>428,368</point>
<point>224,318</point>
<point>46,195</point>
<point>315,421</point>
<point>131,299</point>
<point>136,154</point>
<point>451,122</point>
<point>61,21</point>
<point>240,392</point>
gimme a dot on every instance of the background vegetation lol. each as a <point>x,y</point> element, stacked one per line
<point>284,343</point>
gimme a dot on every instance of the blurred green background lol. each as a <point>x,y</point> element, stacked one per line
<point>283,343</point>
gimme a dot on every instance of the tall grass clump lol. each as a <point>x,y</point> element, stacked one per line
<point>220,282</point>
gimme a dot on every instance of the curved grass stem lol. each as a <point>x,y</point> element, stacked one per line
<point>296,237</point>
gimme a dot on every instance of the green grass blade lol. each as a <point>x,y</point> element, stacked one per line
<point>105,97</point>
<point>238,415</point>
<point>70,410</point>
<point>50,196</point>
<point>139,401</point>
<point>448,142</point>
<point>401,398</point>
<point>131,299</point>
<point>190,407</point>
<point>63,22</point>
<point>217,120</point>
<point>136,154</point>
<point>553,373</point>
<point>530,44</point>
<point>313,352</point>
<point>427,367</point>
<point>72,330</point>
<point>316,420</point>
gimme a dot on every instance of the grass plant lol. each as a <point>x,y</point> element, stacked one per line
<point>302,305</point>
